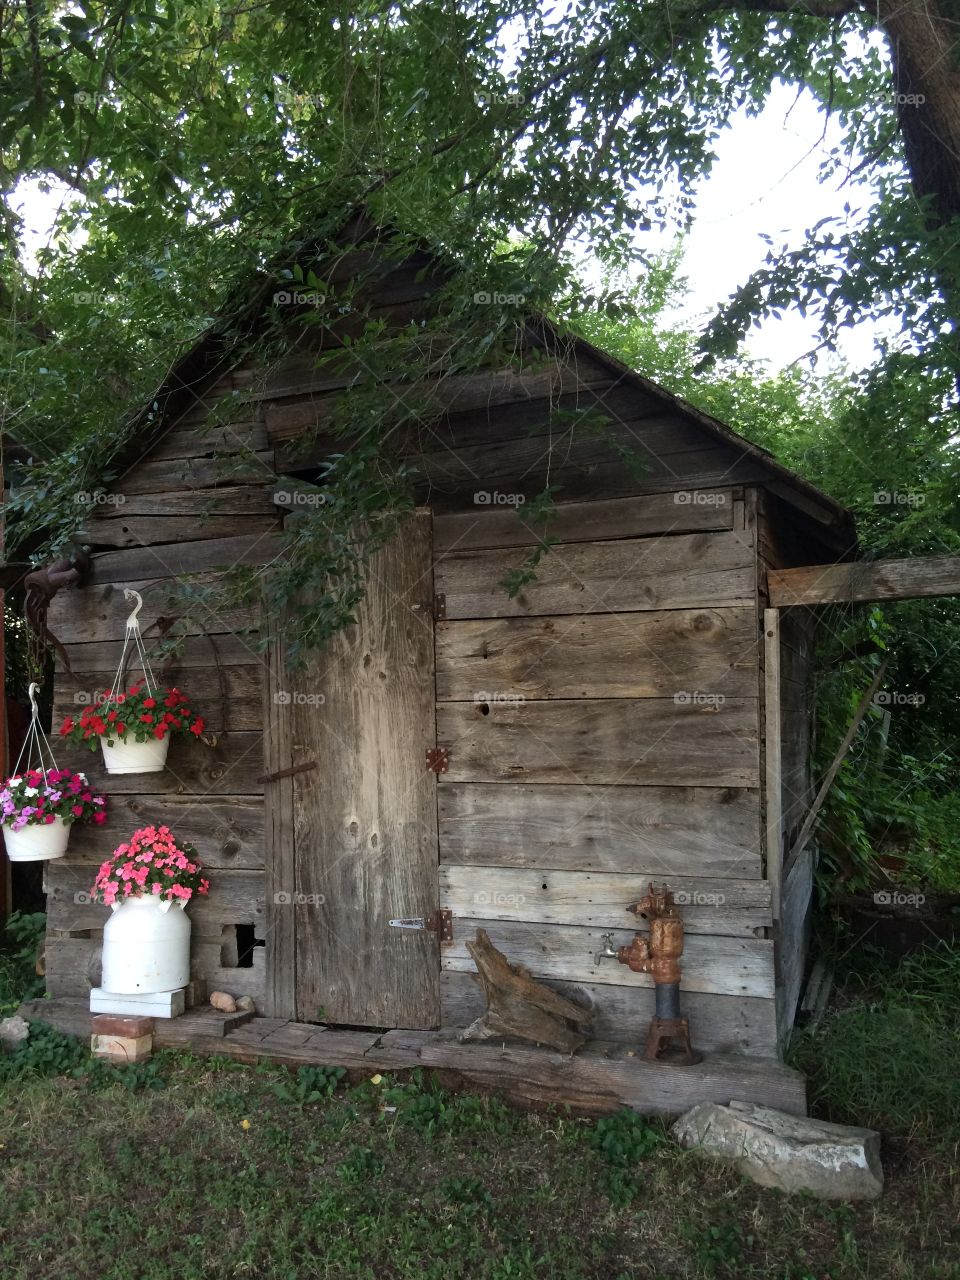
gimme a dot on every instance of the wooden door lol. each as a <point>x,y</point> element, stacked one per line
<point>364,820</point>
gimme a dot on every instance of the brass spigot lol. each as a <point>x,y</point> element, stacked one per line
<point>609,951</point>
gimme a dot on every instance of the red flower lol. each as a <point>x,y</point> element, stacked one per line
<point>67,726</point>
<point>197,727</point>
<point>149,702</point>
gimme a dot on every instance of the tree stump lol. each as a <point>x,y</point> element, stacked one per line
<point>518,1005</point>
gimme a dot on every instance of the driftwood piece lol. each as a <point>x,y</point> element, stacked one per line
<point>518,1005</point>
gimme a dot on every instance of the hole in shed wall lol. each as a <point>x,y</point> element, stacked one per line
<point>237,943</point>
<point>246,943</point>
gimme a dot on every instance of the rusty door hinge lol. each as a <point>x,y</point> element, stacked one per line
<point>291,772</point>
<point>439,922</point>
<point>438,759</point>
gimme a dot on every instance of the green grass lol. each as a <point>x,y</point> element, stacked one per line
<point>888,1051</point>
<point>201,1169</point>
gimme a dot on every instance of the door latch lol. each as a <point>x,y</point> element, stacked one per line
<point>439,922</point>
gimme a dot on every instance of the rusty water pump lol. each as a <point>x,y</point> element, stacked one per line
<point>668,1039</point>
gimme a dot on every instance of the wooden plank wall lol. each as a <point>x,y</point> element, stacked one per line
<point>516,428</point>
<point>780,547</point>
<point>179,513</point>
<point>603,727</point>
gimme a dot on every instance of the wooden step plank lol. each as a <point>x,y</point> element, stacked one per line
<point>709,831</point>
<point>628,655</point>
<point>602,1078</point>
<point>488,526</point>
<point>647,741</point>
<point>718,1024</point>
<point>607,1077</point>
<point>683,571</point>
<point>227,831</point>
<point>735,908</point>
<point>724,966</point>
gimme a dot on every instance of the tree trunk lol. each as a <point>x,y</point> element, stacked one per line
<point>926,81</point>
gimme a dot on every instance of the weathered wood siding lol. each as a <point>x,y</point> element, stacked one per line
<point>788,735</point>
<point>180,513</point>
<point>603,727</point>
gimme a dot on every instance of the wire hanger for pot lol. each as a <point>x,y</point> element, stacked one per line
<point>133,644</point>
<point>36,743</point>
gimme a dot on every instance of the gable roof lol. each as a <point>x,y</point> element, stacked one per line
<point>216,352</point>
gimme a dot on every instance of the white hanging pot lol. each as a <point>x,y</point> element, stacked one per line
<point>146,946</point>
<point>135,757</point>
<point>37,842</point>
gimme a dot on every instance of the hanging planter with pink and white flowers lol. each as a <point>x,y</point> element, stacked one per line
<point>39,803</point>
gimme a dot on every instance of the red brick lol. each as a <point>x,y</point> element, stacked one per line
<point>113,1024</point>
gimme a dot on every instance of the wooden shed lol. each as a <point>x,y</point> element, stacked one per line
<point>630,716</point>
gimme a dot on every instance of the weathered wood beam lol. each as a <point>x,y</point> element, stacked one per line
<point>772,729</point>
<point>865,580</point>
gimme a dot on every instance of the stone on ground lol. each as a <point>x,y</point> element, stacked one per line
<point>13,1032</point>
<point>792,1153</point>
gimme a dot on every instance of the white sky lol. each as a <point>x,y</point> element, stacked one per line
<point>764,180</point>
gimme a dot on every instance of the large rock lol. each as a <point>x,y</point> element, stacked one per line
<point>833,1161</point>
<point>13,1032</point>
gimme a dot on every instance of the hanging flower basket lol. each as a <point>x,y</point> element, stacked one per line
<point>40,803</point>
<point>134,726</point>
<point>146,941</point>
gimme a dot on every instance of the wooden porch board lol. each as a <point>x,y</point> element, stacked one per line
<point>601,1078</point>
